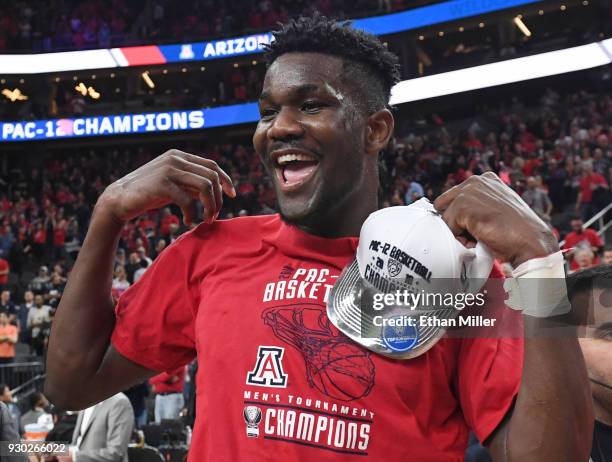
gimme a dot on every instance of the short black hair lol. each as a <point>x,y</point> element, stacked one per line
<point>35,398</point>
<point>588,279</point>
<point>367,62</point>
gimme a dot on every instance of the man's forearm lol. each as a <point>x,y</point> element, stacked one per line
<point>553,416</point>
<point>85,317</point>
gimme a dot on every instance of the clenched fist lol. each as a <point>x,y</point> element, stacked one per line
<point>484,209</point>
<point>175,176</point>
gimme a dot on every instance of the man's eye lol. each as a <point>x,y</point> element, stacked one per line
<point>312,106</point>
<point>267,113</point>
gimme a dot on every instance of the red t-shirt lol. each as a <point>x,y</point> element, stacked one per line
<point>586,184</point>
<point>164,383</point>
<point>247,297</point>
<point>166,222</point>
<point>4,266</point>
<point>587,238</point>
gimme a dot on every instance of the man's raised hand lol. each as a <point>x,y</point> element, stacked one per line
<point>174,177</point>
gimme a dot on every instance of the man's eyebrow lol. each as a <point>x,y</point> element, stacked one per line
<point>605,326</point>
<point>298,91</point>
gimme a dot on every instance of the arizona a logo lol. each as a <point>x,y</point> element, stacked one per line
<point>268,371</point>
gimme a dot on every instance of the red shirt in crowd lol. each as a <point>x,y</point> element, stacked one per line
<point>586,238</point>
<point>164,227</point>
<point>169,382</point>
<point>4,271</point>
<point>530,166</point>
<point>276,380</point>
<point>59,234</point>
<point>40,236</point>
<point>586,186</point>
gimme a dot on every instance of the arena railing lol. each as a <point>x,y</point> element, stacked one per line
<point>17,374</point>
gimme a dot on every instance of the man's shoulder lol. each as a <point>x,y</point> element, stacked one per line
<point>120,399</point>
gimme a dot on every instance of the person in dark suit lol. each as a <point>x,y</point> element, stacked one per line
<point>102,432</point>
<point>7,431</point>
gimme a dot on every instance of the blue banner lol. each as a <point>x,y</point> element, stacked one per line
<point>378,25</point>
<point>215,49</point>
<point>433,14</point>
<point>125,124</point>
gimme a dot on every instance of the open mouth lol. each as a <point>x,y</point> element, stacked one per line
<point>294,169</point>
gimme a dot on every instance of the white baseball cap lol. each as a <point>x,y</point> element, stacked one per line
<point>409,249</point>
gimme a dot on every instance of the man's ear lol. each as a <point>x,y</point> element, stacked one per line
<point>379,129</point>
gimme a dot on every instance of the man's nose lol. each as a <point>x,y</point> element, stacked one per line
<point>286,125</point>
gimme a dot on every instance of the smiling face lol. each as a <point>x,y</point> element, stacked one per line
<point>312,138</point>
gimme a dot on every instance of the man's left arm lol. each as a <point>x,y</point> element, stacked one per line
<point>552,418</point>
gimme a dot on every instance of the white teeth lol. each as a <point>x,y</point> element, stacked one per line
<point>286,158</point>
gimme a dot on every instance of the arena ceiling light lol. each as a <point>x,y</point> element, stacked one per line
<point>148,80</point>
<point>504,72</point>
<point>522,27</point>
<point>14,95</point>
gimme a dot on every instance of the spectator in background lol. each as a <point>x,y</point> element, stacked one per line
<point>6,398</point>
<point>168,389</point>
<point>142,253</point>
<point>583,257</point>
<point>161,245</point>
<point>132,266</point>
<point>583,238</point>
<point>7,306</point>
<point>8,432</point>
<point>137,396</point>
<point>8,338</point>
<point>120,259</point>
<point>120,282</point>
<point>590,185</point>
<point>414,192</point>
<point>140,271</point>
<point>40,284</point>
<point>607,255</point>
<point>103,431</point>
<point>56,289</point>
<point>22,316</point>
<point>6,241</point>
<point>167,219</point>
<point>4,272</point>
<point>537,198</point>
<point>39,318</point>
<point>38,411</point>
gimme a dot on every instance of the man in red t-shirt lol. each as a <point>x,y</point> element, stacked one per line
<point>246,297</point>
<point>589,183</point>
<point>581,238</point>
<point>168,388</point>
<point>167,219</point>
<point>4,272</point>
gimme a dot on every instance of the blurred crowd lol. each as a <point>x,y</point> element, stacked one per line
<point>556,154</point>
<point>78,24</point>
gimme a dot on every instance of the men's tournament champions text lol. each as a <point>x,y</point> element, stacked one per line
<point>311,422</point>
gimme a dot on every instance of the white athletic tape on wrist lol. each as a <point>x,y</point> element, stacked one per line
<point>537,287</point>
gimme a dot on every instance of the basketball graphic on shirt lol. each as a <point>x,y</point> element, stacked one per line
<point>335,366</point>
<point>342,371</point>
